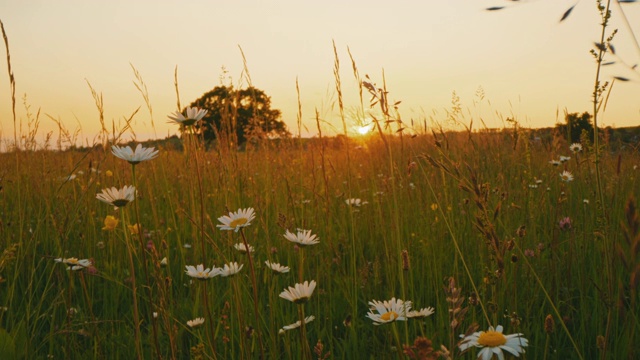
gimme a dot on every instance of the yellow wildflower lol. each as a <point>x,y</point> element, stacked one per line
<point>134,229</point>
<point>110,223</point>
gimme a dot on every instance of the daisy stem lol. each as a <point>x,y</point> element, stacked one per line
<point>192,139</point>
<point>210,320</point>
<point>305,351</point>
<point>88,299</point>
<point>132,274</point>
<point>236,293</point>
<point>396,336</point>
<point>300,270</point>
<point>255,293</point>
<point>144,262</point>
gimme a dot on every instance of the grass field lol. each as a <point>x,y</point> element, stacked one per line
<point>481,227</point>
<point>404,243</point>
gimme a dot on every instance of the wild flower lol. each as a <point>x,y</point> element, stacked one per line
<point>277,268</point>
<point>230,269</point>
<point>237,220</point>
<point>200,273</point>
<point>73,263</point>
<point>493,341</point>
<point>243,249</point>
<point>565,223</point>
<point>554,162</point>
<point>566,176</point>
<point>355,202</point>
<point>575,148</point>
<point>117,197</point>
<point>297,324</point>
<point>195,322</point>
<point>110,223</point>
<point>134,229</point>
<point>420,314</point>
<point>136,156</point>
<point>299,293</point>
<point>193,115</point>
<point>302,237</point>
<point>382,312</point>
<point>565,158</point>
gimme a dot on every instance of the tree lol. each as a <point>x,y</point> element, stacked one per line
<point>574,125</point>
<point>245,113</point>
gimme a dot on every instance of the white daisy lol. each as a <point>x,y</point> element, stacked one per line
<point>199,272</point>
<point>388,311</point>
<point>118,197</point>
<point>193,114</point>
<point>136,156</point>
<point>230,269</point>
<point>277,268</point>
<point>419,314</point>
<point>565,158</point>
<point>242,248</point>
<point>195,322</point>
<point>73,263</point>
<point>302,237</point>
<point>355,202</point>
<point>299,293</point>
<point>493,342</point>
<point>554,162</point>
<point>575,148</point>
<point>297,324</point>
<point>566,176</point>
<point>236,220</point>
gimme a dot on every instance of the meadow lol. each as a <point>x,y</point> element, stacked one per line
<point>408,242</point>
<point>480,226</point>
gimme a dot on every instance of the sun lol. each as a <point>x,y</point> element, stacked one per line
<point>363,130</point>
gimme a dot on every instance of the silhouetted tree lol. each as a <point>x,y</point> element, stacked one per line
<point>244,113</point>
<point>574,125</point>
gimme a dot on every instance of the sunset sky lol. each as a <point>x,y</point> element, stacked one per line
<point>529,65</point>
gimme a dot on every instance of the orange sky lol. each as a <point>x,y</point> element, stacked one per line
<point>528,64</point>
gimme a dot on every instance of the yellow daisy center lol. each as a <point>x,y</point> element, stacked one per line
<point>389,316</point>
<point>492,339</point>
<point>238,222</point>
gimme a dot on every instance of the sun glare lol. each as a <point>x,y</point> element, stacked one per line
<point>363,130</point>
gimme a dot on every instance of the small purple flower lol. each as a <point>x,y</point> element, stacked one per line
<point>529,253</point>
<point>565,223</point>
